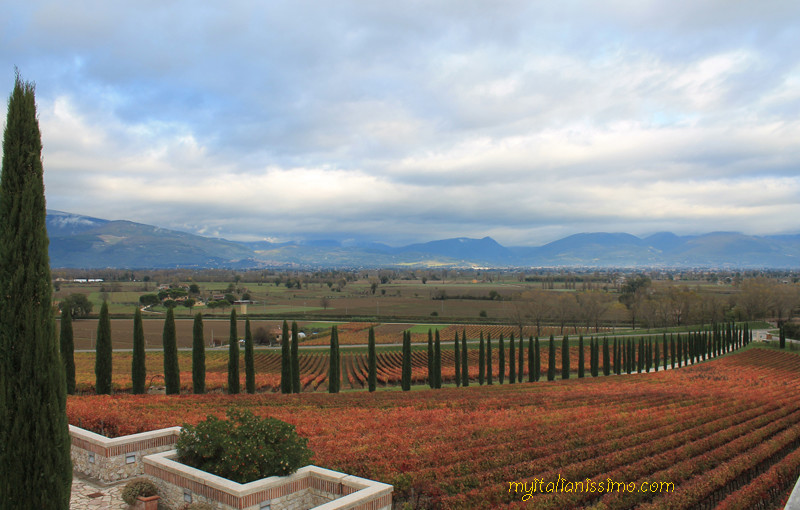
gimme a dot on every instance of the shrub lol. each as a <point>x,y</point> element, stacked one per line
<point>243,448</point>
<point>138,487</point>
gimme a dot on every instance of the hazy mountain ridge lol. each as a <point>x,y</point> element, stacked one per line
<point>82,241</point>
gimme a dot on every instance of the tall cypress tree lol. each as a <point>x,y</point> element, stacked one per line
<point>457,358</point>
<point>102,362</point>
<point>372,369</point>
<point>35,466</point>
<point>437,360</point>
<point>521,360</point>
<point>489,359</point>
<point>431,360</point>
<point>481,361</point>
<point>249,362</point>
<point>138,361</point>
<point>537,362</point>
<point>295,355</point>
<point>172,375</point>
<point>198,356</point>
<point>464,358</point>
<point>405,374</point>
<point>531,360</point>
<point>233,356</point>
<point>581,359</point>
<point>334,370</point>
<point>68,348</point>
<point>551,360</point>
<point>565,357</point>
<point>656,359</point>
<point>501,358</point>
<point>512,368</point>
<point>606,358</point>
<point>286,359</point>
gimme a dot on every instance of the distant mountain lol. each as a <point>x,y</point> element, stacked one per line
<point>462,248</point>
<point>82,241</point>
<point>61,224</point>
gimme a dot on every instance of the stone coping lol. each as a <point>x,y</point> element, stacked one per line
<point>364,489</point>
<point>109,444</point>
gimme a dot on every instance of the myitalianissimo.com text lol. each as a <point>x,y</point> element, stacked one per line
<point>531,487</point>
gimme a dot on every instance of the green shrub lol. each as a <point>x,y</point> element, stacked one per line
<point>244,447</point>
<point>138,487</point>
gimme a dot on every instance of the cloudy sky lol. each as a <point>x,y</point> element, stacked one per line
<point>413,121</point>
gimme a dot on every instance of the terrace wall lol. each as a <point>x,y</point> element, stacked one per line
<point>309,487</point>
<point>113,459</point>
<point>152,454</point>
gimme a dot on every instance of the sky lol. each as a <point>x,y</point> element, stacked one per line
<point>403,122</point>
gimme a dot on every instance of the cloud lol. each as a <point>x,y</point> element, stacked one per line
<point>417,121</point>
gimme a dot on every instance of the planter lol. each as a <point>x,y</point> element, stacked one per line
<point>147,503</point>
<point>309,487</point>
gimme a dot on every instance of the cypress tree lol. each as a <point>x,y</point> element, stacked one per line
<point>565,357</point>
<point>464,357</point>
<point>249,362</point>
<point>537,362</point>
<point>437,360</point>
<point>501,359</point>
<point>172,375</point>
<point>138,367</point>
<point>512,369</point>
<point>551,360</point>
<point>489,359</point>
<point>581,359</point>
<point>531,360</point>
<point>198,356</point>
<point>616,358</point>
<point>431,362</point>
<point>233,356</point>
<point>457,359</point>
<point>666,350</point>
<point>606,358</point>
<point>286,359</point>
<point>640,359</point>
<point>782,338</point>
<point>656,359</point>
<point>481,361</point>
<point>102,363</point>
<point>334,370</point>
<point>405,375</point>
<point>295,355</point>
<point>521,361</point>
<point>68,349</point>
<point>372,369</point>
<point>672,350</point>
<point>35,465</point>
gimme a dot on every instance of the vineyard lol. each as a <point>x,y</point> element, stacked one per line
<point>314,366</point>
<point>724,432</point>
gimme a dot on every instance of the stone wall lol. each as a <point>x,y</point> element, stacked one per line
<point>114,459</point>
<point>309,487</point>
<point>152,454</point>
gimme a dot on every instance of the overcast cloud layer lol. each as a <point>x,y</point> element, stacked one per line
<point>411,121</point>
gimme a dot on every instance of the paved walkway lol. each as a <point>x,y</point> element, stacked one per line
<point>89,495</point>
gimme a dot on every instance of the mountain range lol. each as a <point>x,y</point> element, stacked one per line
<point>84,242</point>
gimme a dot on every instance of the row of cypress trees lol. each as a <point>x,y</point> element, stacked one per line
<point>103,358</point>
<point>679,350</point>
<point>628,356</point>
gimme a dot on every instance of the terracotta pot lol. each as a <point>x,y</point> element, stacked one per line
<point>147,503</point>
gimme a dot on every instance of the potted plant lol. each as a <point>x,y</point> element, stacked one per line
<point>141,494</point>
